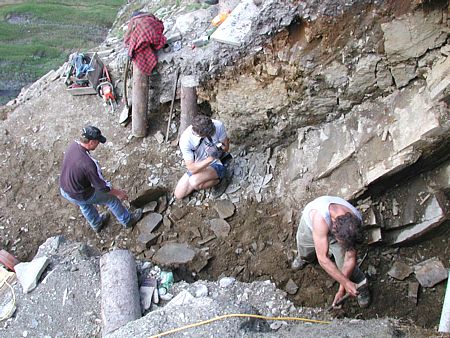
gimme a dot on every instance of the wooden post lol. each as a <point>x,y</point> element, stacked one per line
<point>189,107</point>
<point>120,292</point>
<point>139,103</point>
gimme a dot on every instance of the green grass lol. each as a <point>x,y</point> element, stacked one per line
<point>101,13</point>
<point>48,32</point>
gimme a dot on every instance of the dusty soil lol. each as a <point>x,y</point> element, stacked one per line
<point>261,242</point>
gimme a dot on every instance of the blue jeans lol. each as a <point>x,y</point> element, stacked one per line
<point>90,212</point>
<point>218,167</point>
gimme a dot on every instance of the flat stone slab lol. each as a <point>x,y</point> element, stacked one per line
<point>237,26</point>
<point>159,136</point>
<point>147,196</point>
<point>430,272</point>
<point>400,270</point>
<point>177,213</point>
<point>151,206</point>
<point>225,208</point>
<point>162,204</point>
<point>149,223</point>
<point>291,287</point>
<point>431,215</point>
<point>413,291</point>
<point>174,254</point>
<point>29,273</point>
<point>220,227</point>
<point>147,239</point>
<point>183,298</point>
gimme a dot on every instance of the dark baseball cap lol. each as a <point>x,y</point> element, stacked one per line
<point>93,133</point>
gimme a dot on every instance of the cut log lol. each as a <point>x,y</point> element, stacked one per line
<point>189,107</point>
<point>120,292</point>
<point>139,103</point>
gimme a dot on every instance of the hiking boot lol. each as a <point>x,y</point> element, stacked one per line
<point>220,188</point>
<point>135,217</point>
<point>363,297</point>
<point>226,159</point>
<point>104,219</point>
<point>298,264</point>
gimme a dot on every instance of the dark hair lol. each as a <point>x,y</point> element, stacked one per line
<point>203,126</point>
<point>347,230</point>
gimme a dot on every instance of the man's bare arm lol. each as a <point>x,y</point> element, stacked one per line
<point>120,194</point>
<point>226,145</point>
<point>320,237</point>
<point>195,167</point>
<point>347,269</point>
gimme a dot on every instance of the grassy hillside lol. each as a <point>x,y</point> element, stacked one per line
<point>38,35</point>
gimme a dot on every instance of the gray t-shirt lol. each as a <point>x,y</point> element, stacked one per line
<point>322,204</point>
<point>194,147</point>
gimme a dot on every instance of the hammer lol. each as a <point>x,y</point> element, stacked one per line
<point>340,301</point>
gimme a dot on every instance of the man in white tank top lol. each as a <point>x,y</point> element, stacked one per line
<point>332,226</point>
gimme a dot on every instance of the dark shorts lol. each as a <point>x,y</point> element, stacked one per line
<point>218,167</point>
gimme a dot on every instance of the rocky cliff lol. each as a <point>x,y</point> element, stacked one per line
<point>351,98</point>
<point>346,98</point>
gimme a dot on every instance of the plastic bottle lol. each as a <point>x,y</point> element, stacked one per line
<point>219,18</point>
<point>166,280</point>
<point>201,41</point>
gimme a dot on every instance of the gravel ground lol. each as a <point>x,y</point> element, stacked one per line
<point>66,303</point>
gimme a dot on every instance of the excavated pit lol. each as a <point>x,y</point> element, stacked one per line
<point>261,242</point>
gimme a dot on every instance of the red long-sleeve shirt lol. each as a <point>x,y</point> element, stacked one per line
<point>144,36</point>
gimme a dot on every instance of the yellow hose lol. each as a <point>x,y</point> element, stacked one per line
<point>236,315</point>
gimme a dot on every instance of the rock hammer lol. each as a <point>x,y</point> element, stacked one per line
<point>340,301</point>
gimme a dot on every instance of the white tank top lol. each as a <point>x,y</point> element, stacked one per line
<point>322,204</point>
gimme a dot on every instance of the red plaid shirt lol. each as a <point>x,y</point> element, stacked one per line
<point>144,36</point>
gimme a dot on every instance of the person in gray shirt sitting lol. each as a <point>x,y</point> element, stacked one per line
<point>202,145</point>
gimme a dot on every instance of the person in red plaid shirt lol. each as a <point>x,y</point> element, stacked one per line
<point>144,36</point>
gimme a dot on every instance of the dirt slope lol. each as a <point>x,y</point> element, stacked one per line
<point>261,241</point>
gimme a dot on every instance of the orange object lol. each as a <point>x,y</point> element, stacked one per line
<point>219,18</point>
<point>8,260</point>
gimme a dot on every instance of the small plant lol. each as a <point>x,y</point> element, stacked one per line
<point>196,6</point>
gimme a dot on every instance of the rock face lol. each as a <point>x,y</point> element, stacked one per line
<point>363,123</point>
<point>320,101</point>
<point>346,97</point>
<point>350,113</point>
<point>410,36</point>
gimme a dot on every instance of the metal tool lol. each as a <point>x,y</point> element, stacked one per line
<point>342,300</point>
<point>105,89</point>
<point>177,74</point>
